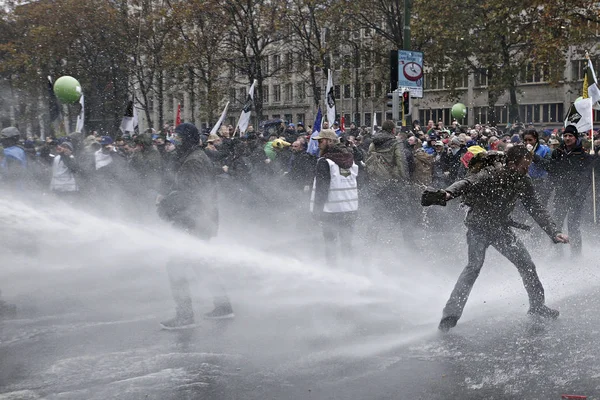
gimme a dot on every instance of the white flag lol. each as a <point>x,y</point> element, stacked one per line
<point>81,116</point>
<point>330,99</point>
<point>130,122</point>
<point>374,122</point>
<point>246,111</point>
<point>580,115</point>
<point>220,121</point>
<point>593,90</point>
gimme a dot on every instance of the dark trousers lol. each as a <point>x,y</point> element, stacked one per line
<point>505,241</point>
<point>177,269</point>
<point>566,207</point>
<point>338,229</point>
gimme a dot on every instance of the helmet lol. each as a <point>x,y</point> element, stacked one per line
<point>10,132</point>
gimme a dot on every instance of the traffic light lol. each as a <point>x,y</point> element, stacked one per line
<point>394,104</point>
<point>405,106</point>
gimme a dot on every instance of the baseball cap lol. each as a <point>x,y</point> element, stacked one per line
<point>106,140</point>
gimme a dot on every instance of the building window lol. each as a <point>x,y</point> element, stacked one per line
<point>347,120</point>
<point>288,118</point>
<point>357,119</point>
<point>300,119</point>
<point>378,90</point>
<point>552,112</point>
<point>368,91</point>
<point>434,81</point>
<point>289,92</point>
<point>232,95</point>
<point>301,92</point>
<point>357,91</point>
<point>368,121</point>
<point>276,116</point>
<point>289,62</point>
<point>347,92</point>
<point>276,62</point>
<point>336,91</point>
<point>481,79</point>
<point>265,94</point>
<point>501,114</point>
<point>317,92</point>
<point>265,66</point>
<point>276,93</point>
<point>379,116</point>
<point>242,95</point>
<point>533,73</point>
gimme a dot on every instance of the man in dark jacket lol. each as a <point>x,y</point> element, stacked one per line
<point>570,172</point>
<point>387,188</point>
<point>334,199</point>
<point>192,207</point>
<point>491,196</point>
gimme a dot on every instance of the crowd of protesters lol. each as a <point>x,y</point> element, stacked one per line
<point>258,164</point>
<point>336,175</point>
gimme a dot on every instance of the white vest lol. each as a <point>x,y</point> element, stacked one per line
<point>343,192</point>
<point>63,179</point>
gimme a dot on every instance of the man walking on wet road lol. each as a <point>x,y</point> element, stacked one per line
<point>491,196</point>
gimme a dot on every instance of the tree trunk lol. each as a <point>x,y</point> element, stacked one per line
<point>192,85</point>
<point>161,99</point>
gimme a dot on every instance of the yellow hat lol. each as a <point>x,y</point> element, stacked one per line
<point>280,144</point>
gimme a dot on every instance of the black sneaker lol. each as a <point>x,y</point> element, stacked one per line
<point>221,312</point>
<point>178,323</point>
<point>544,312</point>
<point>446,323</point>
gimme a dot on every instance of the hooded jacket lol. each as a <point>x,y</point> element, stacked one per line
<point>192,203</point>
<point>392,151</point>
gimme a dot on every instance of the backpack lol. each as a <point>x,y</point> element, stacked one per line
<point>423,168</point>
<point>378,168</point>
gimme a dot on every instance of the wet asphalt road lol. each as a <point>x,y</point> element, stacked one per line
<point>507,356</point>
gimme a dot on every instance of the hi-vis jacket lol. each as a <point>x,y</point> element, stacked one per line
<point>343,191</point>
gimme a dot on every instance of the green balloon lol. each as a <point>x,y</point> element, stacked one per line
<point>67,89</point>
<point>459,111</point>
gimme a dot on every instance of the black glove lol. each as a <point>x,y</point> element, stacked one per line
<point>432,197</point>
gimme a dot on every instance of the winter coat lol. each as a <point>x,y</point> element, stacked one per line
<point>492,195</point>
<point>570,171</point>
<point>191,205</point>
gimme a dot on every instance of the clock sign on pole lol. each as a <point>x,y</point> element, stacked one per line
<point>410,72</point>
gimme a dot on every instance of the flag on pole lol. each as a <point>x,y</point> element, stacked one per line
<point>330,99</point>
<point>129,123</point>
<point>313,145</point>
<point>178,117</point>
<point>374,122</point>
<point>580,115</point>
<point>81,116</point>
<point>54,108</point>
<point>590,86</point>
<point>343,124</point>
<point>220,121</point>
<point>246,111</point>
